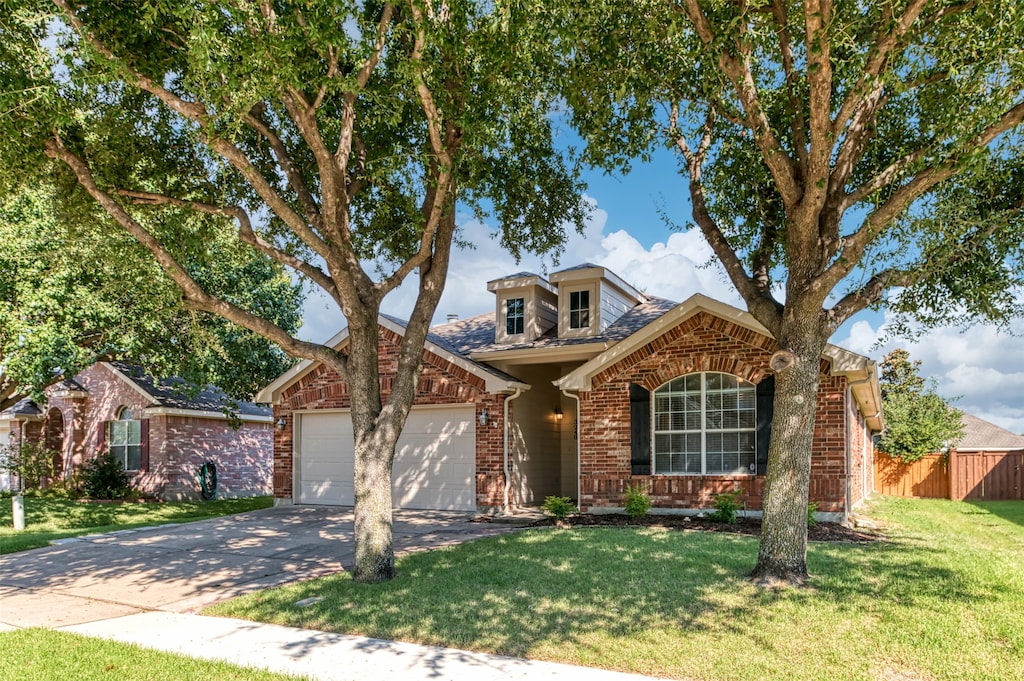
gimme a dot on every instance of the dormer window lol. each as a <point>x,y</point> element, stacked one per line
<point>515,316</point>
<point>579,309</point>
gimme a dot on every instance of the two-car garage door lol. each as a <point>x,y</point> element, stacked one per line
<point>434,461</point>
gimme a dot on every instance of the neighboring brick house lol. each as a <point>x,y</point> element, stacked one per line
<point>160,434</point>
<point>579,385</point>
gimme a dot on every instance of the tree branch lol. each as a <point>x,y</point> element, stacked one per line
<point>867,295</point>
<point>817,17</point>
<point>195,112</point>
<point>284,160</point>
<point>742,79</point>
<point>758,299</point>
<point>799,124</point>
<point>194,295</point>
<point>245,233</point>
<point>880,218</point>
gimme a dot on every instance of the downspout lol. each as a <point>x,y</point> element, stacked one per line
<point>505,458</point>
<point>576,428</point>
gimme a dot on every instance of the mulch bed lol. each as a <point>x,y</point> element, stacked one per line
<point>833,532</point>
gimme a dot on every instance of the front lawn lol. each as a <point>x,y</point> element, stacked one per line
<point>48,518</point>
<point>31,654</point>
<point>943,599</point>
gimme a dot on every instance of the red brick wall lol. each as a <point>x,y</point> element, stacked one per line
<point>861,463</point>
<point>701,343</point>
<point>178,445</point>
<point>440,383</point>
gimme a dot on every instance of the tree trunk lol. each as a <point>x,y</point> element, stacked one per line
<point>782,557</point>
<point>375,555</point>
<point>374,451</point>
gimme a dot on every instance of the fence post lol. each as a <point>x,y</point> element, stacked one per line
<point>954,474</point>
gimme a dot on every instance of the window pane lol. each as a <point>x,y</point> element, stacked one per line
<point>579,309</point>
<point>133,455</point>
<point>118,432</point>
<point>134,432</point>
<point>515,312</point>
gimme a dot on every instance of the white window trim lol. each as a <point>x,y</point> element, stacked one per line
<point>122,458</point>
<point>564,299</point>
<point>703,431</point>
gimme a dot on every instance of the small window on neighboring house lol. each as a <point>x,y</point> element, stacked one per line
<point>125,440</point>
<point>705,424</point>
<point>579,309</point>
<point>515,316</point>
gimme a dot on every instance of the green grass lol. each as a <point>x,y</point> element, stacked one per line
<point>48,518</point>
<point>943,599</point>
<point>31,654</point>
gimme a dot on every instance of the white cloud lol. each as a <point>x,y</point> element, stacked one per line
<point>674,269</point>
<point>981,365</point>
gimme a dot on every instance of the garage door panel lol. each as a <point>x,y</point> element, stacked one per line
<point>434,468</point>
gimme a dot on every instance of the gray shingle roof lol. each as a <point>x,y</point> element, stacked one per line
<point>24,407</point>
<point>173,394</point>
<point>981,434</point>
<point>444,342</point>
<point>476,334</point>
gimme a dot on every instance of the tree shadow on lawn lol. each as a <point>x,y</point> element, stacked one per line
<point>1011,511</point>
<point>538,588</point>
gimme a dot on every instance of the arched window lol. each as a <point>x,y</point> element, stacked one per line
<point>125,440</point>
<point>705,424</point>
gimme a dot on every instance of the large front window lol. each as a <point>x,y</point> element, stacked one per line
<point>124,439</point>
<point>705,424</point>
<point>515,315</point>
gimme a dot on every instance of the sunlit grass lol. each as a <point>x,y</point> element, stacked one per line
<point>47,519</point>
<point>942,599</point>
<point>44,655</point>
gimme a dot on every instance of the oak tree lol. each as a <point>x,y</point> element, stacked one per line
<point>830,151</point>
<point>338,138</point>
<point>76,292</point>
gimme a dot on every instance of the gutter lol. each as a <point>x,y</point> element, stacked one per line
<point>576,428</point>
<point>505,455</point>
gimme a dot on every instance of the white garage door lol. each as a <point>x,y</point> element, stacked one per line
<point>434,462</point>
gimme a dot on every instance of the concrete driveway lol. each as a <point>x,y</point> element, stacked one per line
<point>181,568</point>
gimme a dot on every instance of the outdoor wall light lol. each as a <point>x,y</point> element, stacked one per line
<point>483,417</point>
<point>281,423</point>
<point>558,414</point>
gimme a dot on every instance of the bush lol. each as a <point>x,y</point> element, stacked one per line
<point>726,505</point>
<point>104,478</point>
<point>560,507</point>
<point>32,462</point>
<point>638,503</point>
<point>812,507</point>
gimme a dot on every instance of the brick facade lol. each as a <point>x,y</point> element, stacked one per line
<point>441,382</point>
<point>177,445</point>
<point>701,343</point>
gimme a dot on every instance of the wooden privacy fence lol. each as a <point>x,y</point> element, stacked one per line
<point>990,476</point>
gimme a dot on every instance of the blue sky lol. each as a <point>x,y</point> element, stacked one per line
<point>628,234</point>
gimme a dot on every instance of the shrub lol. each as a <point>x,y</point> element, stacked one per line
<point>811,508</point>
<point>638,503</point>
<point>104,478</point>
<point>560,507</point>
<point>32,462</point>
<point>726,505</point>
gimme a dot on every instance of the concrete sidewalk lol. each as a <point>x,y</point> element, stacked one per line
<point>325,656</point>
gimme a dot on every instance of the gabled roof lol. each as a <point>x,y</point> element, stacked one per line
<point>981,435</point>
<point>23,410</point>
<point>475,336</point>
<point>494,380</point>
<point>171,395</point>
<point>860,371</point>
